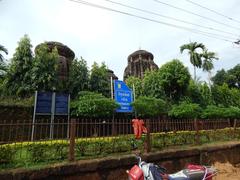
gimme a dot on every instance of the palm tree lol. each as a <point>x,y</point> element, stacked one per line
<point>207,65</point>
<point>2,49</point>
<point>195,58</point>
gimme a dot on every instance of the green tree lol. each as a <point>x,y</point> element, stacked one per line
<point>90,104</point>
<point>78,77</point>
<point>225,96</point>
<point>44,71</point>
<point>149,106</point>
<point>233,79</point>
<point>220,78</point>
<point>195,58</point>
<point>207,64</point>
<point>137,83</point>
<point>18,79</point>
<point>2,49</point>
<point>99,80</point>
<point>174,78</point>
<point>152,85</point>
<point>185,110</point>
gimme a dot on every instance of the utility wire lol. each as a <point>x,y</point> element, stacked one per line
<point>168,17</point>
<point>220,14</point>
<point>190,12</point>
<point>212,35</point>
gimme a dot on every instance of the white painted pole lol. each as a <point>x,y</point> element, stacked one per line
<point>111,87</point>
<point>34,116</point>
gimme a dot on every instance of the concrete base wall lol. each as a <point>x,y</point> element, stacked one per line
<point>114,168</point>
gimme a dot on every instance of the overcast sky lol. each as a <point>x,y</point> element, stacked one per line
<point>100,35</point>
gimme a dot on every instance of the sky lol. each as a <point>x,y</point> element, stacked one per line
<point>105,36</point>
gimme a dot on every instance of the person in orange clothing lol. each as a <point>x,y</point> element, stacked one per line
<point>138,128</point>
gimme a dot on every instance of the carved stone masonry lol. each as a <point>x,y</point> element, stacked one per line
<point>138,63</point>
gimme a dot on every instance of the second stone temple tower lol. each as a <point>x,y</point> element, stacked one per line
<point>138,63</point>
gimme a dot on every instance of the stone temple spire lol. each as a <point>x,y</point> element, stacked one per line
<point>138,63</point>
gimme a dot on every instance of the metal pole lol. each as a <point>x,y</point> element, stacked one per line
<point>34,116</point>
<point>111,87</point>
<point>52,114</point>
<point>134,98</point>
<point>71,156</point>
<point>68,116</point>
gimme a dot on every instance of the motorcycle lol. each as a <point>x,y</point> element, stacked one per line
<point>150,171</point>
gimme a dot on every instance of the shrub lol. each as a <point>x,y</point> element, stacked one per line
<point>91,104</point>
<point>185,110</point>
<point>149,106</point>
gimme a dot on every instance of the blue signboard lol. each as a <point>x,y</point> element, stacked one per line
<point>61,104</point>
<point>44,103</point>
<point>123,96</point>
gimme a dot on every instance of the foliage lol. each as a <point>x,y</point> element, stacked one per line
<point>18,79</point>
<point>174,79</point>
<point>152,85</point>
<point>91,104</point>
<point>149,106</point>
<point>32,153</point>
<point>20,102</point>
<point>220,77</point>
<point>137,83</point>
<point>199,93</point>
<point>213,112</point>
<point>234,77</point>
<point>208,58</point>
<point>44,71</point>
<point>230,77</point>
<point>2,49</point>
<point>78,77</point>
<point>99,80</point>
<point>223,95</point>
<point>195,58</point>
<point>185,110</point>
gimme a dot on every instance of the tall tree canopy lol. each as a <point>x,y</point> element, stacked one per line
<point>195,57</point>
<point>230,77</point>
<point>2,49</point>
<point>135,82</point>
<point>78,77</point>
<point>207,64</point>
<point>18,80</point>
<point>44,71</point>
<point>99,80</point>
<point>174,79</point>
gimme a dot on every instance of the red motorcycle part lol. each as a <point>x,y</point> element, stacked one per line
<point>136,173</point>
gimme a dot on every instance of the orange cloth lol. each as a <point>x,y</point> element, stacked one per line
<point>138,128</point>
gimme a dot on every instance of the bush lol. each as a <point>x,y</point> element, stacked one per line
<point>91,104</point>
<point>149,106</point>
<point>185,110</point>
<point>213,112</point>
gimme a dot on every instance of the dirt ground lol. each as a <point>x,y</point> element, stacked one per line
<point>227,171</point>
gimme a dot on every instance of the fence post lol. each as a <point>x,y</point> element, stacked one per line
<point>197,139</point>
<point>71,156</point>
<point>147,142</point>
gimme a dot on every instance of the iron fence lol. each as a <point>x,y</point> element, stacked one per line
<point>17,131</point>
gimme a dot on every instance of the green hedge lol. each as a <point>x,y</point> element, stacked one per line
<point>32,153</point>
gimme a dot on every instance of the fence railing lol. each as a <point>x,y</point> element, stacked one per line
<point>14,131</point>
<point>88,138</point>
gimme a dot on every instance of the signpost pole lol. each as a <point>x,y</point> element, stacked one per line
<point>111,87</point>
<point>34,116</point>
<point>68,116</point>
<point>52,115</point>
<point>134,98</point>
<point>113,123</point>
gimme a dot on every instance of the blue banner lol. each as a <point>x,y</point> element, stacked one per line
<point>44,103</point>
<point>61,104</point>
<point>123,96</point>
